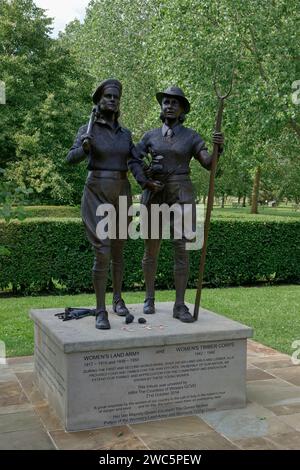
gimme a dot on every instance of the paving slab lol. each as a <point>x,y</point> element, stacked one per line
<point>203,441</point>
<point>32,439</point>
<point>20,364</point>
<point>273,392</point>
<point>292,420</point>
<point>11,393</point>
<point>171,428</point>
<point>260,350</point>
<point>22,420</point>
<point>257,443</point>
<point>26,380</point>
<point>289,374</point>
<point>289,441</point>
<point>119,437</point>
<point>289,409</point>
<point>48,417</point>
<point>11,361</point>
<point>251,422</point>
<point>270,421</point>
<point>7,375</point>
<point>258,374</point>
<point>271,363</point>
<point>4,410</point>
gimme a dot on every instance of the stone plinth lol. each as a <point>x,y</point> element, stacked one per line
<point>139,372</point>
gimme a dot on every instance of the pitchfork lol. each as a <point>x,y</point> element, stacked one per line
<point>210,199</point>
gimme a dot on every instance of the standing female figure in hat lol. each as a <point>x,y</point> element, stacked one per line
<point>109,152</point>
<point>177,144</point>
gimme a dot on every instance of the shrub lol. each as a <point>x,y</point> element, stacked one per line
<point>41,251</point>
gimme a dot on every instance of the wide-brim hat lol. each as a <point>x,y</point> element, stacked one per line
<point>177,93</point>
<point>110,82</point>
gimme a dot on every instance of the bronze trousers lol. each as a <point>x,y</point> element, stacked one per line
<point>177,190</point>
<point>99,190</point>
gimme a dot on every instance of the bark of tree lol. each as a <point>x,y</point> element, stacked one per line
<point>255,191</point>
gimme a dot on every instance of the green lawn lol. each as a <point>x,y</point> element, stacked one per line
<point>263,212</point>
<point>273,312</point>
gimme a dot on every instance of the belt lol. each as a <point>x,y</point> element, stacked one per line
<point>112,174</point>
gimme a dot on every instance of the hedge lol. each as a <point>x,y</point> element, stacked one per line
<point>52,211</point>
<point>239,252</point>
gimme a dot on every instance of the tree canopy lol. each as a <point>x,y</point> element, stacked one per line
<point>46,96</point>
<point>149,45</point>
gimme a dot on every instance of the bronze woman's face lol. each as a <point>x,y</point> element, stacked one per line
<point>110,100</point>
<point>171,107</point>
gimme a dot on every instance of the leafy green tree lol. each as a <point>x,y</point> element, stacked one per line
<point>148,46</point>
<point>183,42</point>
<point>48,93</point>
<point>24,39</point>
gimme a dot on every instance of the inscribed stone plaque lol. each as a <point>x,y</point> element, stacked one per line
<point>134,385</point>
<point>129,375</point>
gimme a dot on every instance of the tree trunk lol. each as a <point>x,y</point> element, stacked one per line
<point>244,201</point>
<point>255,191</point>
<point>239,200</point>
<point>223,201</point>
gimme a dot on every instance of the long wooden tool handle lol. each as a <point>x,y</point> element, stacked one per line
<point>210,202</point>
<point>90,124</point>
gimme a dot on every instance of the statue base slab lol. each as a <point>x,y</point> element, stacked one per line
<point>139,372</point>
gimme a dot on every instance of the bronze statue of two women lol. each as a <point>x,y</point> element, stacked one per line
<point>110,152</point>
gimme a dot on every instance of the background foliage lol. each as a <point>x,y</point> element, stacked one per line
<point>149,45</point>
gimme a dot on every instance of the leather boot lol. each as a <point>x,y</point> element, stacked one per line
<point>102,322</point>
<point>149,307</point>
<point>119,307</point>
<point>182,313</point>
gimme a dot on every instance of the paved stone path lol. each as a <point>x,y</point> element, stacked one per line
<point>271,419</point>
